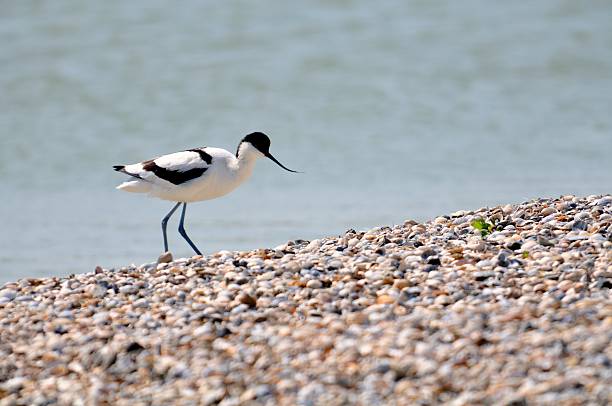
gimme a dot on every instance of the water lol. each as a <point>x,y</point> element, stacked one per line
<point>394,110</point>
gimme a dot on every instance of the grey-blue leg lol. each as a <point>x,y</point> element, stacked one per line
<point>184,233</point>
<point>165,223</point>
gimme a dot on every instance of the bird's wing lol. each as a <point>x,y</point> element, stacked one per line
<point>176,168</point>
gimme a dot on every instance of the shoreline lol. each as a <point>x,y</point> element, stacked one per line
<point>497,305</point>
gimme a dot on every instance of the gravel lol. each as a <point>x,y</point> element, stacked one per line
<point>418,313</point>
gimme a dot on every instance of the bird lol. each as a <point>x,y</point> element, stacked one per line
<point>196,174</point>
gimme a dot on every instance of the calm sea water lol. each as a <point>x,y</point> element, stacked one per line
<point>394,109</point>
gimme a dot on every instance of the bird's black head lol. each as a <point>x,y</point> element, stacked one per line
<point>259,140</point>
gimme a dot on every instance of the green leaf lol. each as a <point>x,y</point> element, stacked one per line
<point>482,225</point>
<point>479,224</point>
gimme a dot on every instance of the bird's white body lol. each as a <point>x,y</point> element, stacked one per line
<point>196,174</point>
<point>224,173</point>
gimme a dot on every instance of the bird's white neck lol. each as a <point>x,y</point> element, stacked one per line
<point>245,160</point>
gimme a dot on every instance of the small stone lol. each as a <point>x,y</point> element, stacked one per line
<point>99,291</point>
<point>13,385</point>
<point>604,201</point>
<point>476,245</point>
<point>442,300</point>
<point>514,245</point>
<point>314,284</point>
<point>60,329</point>
<point>335,264</point>
<point>141,303</point>
<point>580,225</point>
<point>23,298</point>
<point>544,241</point>
<point>313,246</point>
<point>434,261</point>
<point>165,258</point>
<point>481,276</point>
<point>440,220</point>
<point>134,346</point>
<point>213,397</point>
<point>105,357</point>
<point>247,299</point>
<point>292,266</point>
<point>576,237</point>
<point>203,330</point>
<point>128,289</point>
<point>374,275</point>
<point>409,293</point>
<point>604,284</point>
<point>8,294</point>
<point>502,259</point>
<point>101,318</point>
<point>566,285</point>
<point>401,283</point>
<point>385,299</point>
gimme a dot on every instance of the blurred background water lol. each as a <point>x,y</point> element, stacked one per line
<point>394,109</point>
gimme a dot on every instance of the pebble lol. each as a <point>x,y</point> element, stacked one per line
<point>141,303</point>
<point>128,289</point>
<point>164,258</point>
<point>385,299</point>
<point>8,294</point>
<point>417,313</point>
<point>23,298</point>
<point>481,276</point>
<point>247,299</point>
<point>99,291</point>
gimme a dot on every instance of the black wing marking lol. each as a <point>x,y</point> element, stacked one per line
<point>203,155</point>
<point>174,177</point>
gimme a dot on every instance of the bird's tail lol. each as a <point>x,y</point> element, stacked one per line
<point>135,186</point>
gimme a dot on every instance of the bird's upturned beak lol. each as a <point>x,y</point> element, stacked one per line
<point>269,155</point>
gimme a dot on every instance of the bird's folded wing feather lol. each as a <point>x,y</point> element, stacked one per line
<point>176,168</point>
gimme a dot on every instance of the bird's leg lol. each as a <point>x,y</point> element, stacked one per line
<point>165,223</point>
<point>182,231</point>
